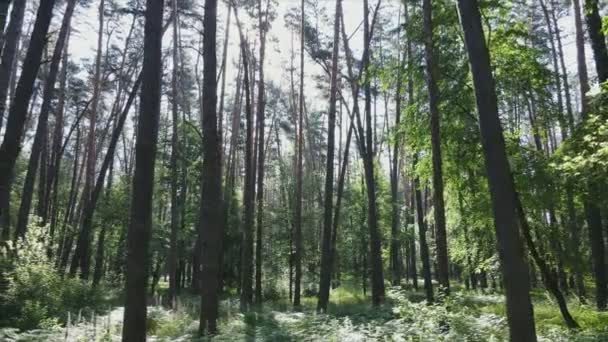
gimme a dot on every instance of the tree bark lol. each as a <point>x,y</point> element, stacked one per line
<point>520,314</point>
<point>370,180</point>
<point>326,257</point>
<point>297,236</point>
<point>592,212</point>
<point>598,40</point>
<point>211,223</point>
<point>41,130</point>
<point>9,52</point>
<point>564,70</point>
<point>220,125</point>
<point>261,107</point>
<point>172,260</point>
<point>4,5</point>
<point>11,145</point>
<point>81,257</point>
<point>140,226</point>
<point>396,203</point>
<point>438,202</point>
<point>89,209</point>
<point>424,248</point>
<point>556,70</point>
<point>249,187</point>
<point>53,182</point>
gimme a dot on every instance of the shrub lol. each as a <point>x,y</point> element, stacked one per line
<point>37,293</point>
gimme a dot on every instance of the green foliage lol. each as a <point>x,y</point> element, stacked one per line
<point>166,325</point>
<point>37,295</point>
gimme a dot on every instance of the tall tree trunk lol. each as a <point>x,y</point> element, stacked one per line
<point>172,262</point>
<point>220,123</point>
<point>62,252</point>
<point>44,164</point>
<point>596,238</point>
<point>211,227</point>
<point>438,202</point>
<point>366,149</point>
<point>572,222</point>
<point>53,182</point>
<point>249,187</point>
<point>558,79</point>
<point>89,209</point>
<point>339,196</point>
<point>396,203</point>
<point>11,145</point>
<point>424,248</point>
<point>520,314</point>
<point>40,137</point>
<point>549,278</point>
<point>297,236</point>
<point>326,259</point>
<point>592,212</point>
<point>598,40</point>
<point>9,52</point>
<point>584,88</point>
<point>4,5</point>
<point>410,101</point>
<point>581,59</point>
<point>140,226</point>
<point>375,239</point>
<point>564,70</point>
<point>81,257</point>
<point>261,105</point>
<point>412,237</point>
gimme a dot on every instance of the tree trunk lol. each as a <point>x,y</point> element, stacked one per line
<point>140,226</point>
<point>249,187</point>
<point>558,79</point>
<point>297,236</point>
<point>172,260</point>
<point>564,71</point>
<point>596,238</point>
<point>83,245</point>
<point>412,238</point>
<point>3,14</point>
<point>261,105</point>
<point>598,40</point>
<point>438,202</point>
<point>40,137</point>
<point>9,52</point>
<point>548,277</point>
<point>592,212</point>
<point>211,227</point>
<point>53,182</point>
<point>396,203</point>
<point>89,209</point>
<point>502,189</point>
<point>375,239</point>
<point>326,257</point>
<point>424,248</point>
<point>11,145</point>
<point>224,67</point>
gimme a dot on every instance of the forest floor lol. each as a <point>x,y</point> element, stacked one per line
<point>465,316</point>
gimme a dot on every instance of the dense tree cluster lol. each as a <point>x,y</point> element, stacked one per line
<point>437,144</point>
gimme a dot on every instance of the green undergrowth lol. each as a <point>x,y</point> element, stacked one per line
<point>405,316</point>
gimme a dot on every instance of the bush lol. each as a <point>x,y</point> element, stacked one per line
<point>37,293</point>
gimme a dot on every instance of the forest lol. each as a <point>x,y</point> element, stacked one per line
<point>303,170</point>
